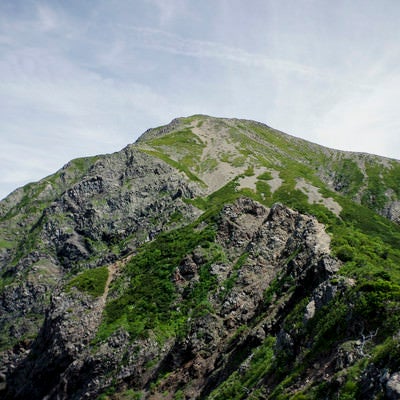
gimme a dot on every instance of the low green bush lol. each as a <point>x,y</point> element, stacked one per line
<point>148,303</point>
<point>91,281</point>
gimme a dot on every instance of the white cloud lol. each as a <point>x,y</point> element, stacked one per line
<point>79,78</point>
<point>54,109</point>
<point>176,44</point>
<point>365,121</point>
<point>47,18</point>
<point>168,10</point>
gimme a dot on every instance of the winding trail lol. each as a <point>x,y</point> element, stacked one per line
<point>113,269</point>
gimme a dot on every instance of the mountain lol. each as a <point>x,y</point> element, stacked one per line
<point>212,259</point>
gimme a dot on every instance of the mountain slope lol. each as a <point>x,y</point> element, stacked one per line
<point>214,258</point>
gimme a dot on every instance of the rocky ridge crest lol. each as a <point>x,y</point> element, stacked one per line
<point>222,227</point>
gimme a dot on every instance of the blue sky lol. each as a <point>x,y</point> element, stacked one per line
<point>88,77</point>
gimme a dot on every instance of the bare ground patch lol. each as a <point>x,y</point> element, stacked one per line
<point>315,197</point>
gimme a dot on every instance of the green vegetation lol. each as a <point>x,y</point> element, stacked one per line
<point>179,166</point>
<point>249,171</point>
<point>215,201</point>
<point>374,196</point>
<point>5,244</point>
<point>91,281</point>
<point>183,140</point>
<point>208,165</point>
<point>239,161</point>
<point>239,385</point>
<point>182,146</point>
<point>348,177</point>
<point>229,283</point>
<point>266,176</point>
<point>193,118</point>
<point>7,341</point>
<point>176,216</point>
<point>152,299</point>
<point>148,303</point>
<point>387,353</point>
<point>366,310</point>
<point>22,223</point>
<point>128,394</point>
<point>366,243</point>
<point>391,178</point>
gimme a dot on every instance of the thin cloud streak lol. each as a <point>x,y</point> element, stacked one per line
<point>174,44</point>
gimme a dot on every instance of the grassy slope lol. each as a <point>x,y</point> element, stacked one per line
<point>364,241</point>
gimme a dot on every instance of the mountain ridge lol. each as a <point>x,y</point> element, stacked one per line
<point>213,258</point>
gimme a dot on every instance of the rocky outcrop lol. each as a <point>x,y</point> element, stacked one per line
<point>254,303</point>
<point>262,246</point>
<point>393,386</point>
<point>125,198</point>
<point>392,211</point>
<point>138,188</point>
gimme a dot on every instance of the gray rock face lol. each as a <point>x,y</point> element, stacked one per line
<point>127,197</point>
<point>268,237</point>
<point>392,211</point>
<point>324,293</point>
<point>264,264</point>
<point>138,188</point>
<point>393,386</point>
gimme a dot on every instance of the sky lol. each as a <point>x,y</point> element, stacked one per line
<point>80,78</point>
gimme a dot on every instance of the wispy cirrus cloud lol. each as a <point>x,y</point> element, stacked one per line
<point>55,107</point>
<point>168,10</point>
<point>80,78</point>
<point>175,44</point>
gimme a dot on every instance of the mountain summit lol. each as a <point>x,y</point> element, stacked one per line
<point>212,259</point>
